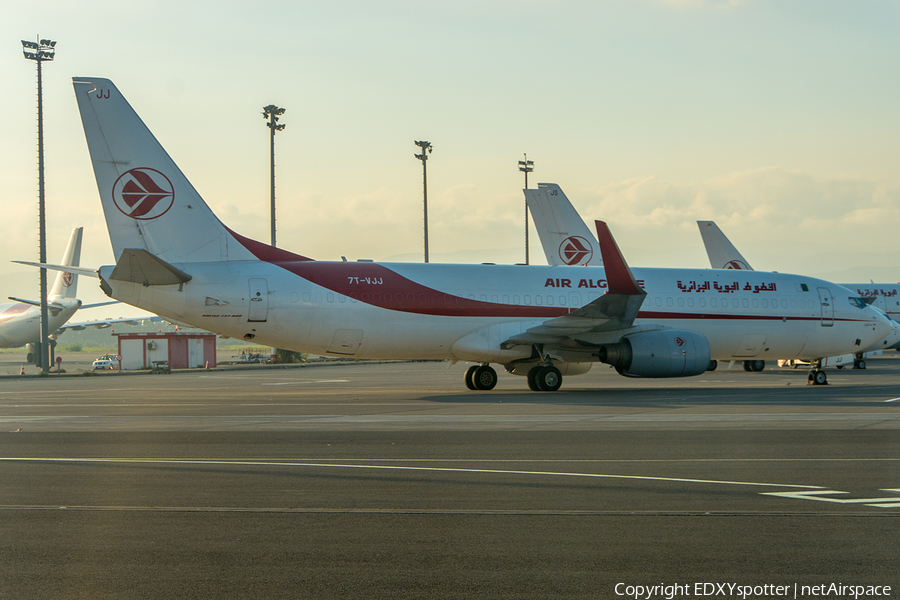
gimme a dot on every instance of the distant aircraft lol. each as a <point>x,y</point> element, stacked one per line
<point>20,323</point>
<point>884,296</point>
<point>565,237</point>
<point>176,259</point>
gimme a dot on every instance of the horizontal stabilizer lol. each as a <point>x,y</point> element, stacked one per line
<point>74,270</point>
<point>24,301</point>
<point>136,265</point>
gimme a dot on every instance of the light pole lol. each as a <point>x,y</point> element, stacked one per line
<point>426,150</point>
<point>39,52</point>
<point>272,112</point>
<point>526,166</point>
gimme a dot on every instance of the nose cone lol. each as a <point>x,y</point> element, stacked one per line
<point>892,338</point>
<point>885,327</point>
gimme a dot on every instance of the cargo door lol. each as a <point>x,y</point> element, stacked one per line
<point>827,302</point>
<point>259,301</point>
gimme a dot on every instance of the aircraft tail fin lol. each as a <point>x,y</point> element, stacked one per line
<point>721,252</point>
<point>564,236</point>
<point>66,283</point>
<point>148,202</point>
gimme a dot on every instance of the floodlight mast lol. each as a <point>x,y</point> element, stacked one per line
<point>272,112</point>
<point>39,52</point>
<point>526,166</point>
<point>426,150</point>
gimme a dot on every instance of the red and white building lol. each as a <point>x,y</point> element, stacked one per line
<point>182,350</point>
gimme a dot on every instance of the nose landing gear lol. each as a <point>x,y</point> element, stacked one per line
<point>817,375</point>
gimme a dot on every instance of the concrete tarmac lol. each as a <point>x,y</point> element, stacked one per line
<point>394,481</point>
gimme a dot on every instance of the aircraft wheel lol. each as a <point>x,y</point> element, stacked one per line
<point>548,379</point>
<point>484,378</point>
<point>470,372</point>
<point>747,365</point>
<point>819,378</point>
<point>839,367</point>
<point>757,365</point>
<point>861,364</point>
<point>532,379</point>
<point>712,365</point>
<point>29,358</point>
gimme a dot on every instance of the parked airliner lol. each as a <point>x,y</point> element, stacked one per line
<point>723,255</point>
<point>175,258</point>
<point>20,323</point>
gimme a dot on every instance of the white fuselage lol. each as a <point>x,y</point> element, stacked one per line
<point>465,312</point>
<point>20,323</point>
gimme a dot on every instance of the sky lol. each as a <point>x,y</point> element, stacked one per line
<point>778,120</point>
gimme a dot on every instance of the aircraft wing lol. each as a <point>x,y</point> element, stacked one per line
<point>612,313</point>
<point>104,323</point>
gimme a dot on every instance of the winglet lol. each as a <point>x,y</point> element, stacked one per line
<point>618,275</point>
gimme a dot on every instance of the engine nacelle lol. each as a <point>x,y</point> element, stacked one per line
<point>660,353</point>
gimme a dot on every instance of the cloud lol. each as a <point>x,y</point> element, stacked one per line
<point>788,217</point>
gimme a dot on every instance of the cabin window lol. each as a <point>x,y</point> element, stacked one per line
<point>515,299</point>
<point>755,303</point>
<point>702,302</point>
<point>562,300</point>
<point>681,302</point>
<point>538,300</point>
<point>794,303</point>
<point>330,297</point>
<point>784,304</point>
<point>495,299</point>
<point>746,303</point>
<point>342,298</point>
<point>658,301</point>
<point>505,299</point>
<point>690,302</point>
<point>549,300</point>
<point>713,302</point>
<point>306,296</point>
<point>295,297</point>
<point>318,297</point>
<point>670,302</point>
<point>483,298</point>
<point>734,302</point>
<point>765,303</point>
<point>527,300</point>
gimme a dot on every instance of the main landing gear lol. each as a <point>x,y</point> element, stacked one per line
<point>544,378</point>
<point>817,375</point>
<point>481,377</point>
<point>754,365</point>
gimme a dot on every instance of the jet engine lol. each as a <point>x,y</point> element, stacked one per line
<point>660,353</point>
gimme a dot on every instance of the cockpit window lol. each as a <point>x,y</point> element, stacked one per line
<point>858,302</point>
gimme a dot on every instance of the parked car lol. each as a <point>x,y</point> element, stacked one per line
<point>105,362</point>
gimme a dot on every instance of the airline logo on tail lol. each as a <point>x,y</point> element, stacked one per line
<point>575,250</point>
<point>737,265</point>
<point>143,194</point>
<point>67,279</point>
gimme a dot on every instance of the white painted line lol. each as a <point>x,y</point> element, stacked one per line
<point>819,496</point>
<point>892,400</point>
<point>310,381</point>
<point>397,468</point>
